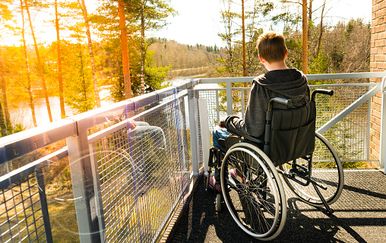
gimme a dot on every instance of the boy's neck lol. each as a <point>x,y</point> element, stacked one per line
<point>276,66</point>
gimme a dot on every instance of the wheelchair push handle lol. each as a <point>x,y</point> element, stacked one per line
<point>278,100</point>
<point>322,91</point>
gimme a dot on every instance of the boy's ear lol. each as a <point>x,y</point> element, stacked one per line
<point>262,60</point>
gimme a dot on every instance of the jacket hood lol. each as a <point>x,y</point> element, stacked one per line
<point>288,82</point>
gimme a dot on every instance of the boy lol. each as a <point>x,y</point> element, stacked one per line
<point>279,80</point>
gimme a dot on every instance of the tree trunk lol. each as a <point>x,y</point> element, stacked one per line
<point>5,102</point>
<point>29,89</point>
<point>83,79</point>
<point>143,50</point>
<point>91,53</point>
<point>40,64</point>
<point>3,127</point>
<point>124,49</point>
<point>243,38</point>
<point>3,86</point>
<point>320,29</point>
<point>305,37</point>
<point>310,11</point>
<point>60,76</point>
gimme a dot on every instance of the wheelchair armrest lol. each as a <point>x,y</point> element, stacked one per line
<point>253,139</point>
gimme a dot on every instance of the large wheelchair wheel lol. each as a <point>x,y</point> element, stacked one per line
<point>326,173</point>
<point>253,191</point>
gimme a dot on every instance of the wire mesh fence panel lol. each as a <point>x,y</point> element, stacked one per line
<point>212,99</point>
<point>350,136</point>
<point>37,201</point>
<point>21,217</point>
<point>143,170</point>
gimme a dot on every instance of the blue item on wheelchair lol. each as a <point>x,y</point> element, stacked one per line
<point>219,133</point>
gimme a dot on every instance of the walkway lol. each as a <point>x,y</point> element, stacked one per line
<point>360,216</point>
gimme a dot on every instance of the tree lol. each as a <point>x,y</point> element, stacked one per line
<point>241,54</point>
<point>59,62</point>
<point>80,100</point>
<point>320,29</point>
<point>151,15</point>
<point>305,36</point>
<point>91,52</point>
<point>5,123</point>
<point>5,12</point>
<point>40,64</point>
<point>5,100</point>
<point>3,127</point>
<point>124,49</point>
<point>243,38</point>
<point>28,70</point>
<point>229,60</point>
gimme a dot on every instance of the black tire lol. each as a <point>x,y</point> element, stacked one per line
<point>253,192</point>
<point>327,172</point>
<point>218,203</point>
<point>206,180</point>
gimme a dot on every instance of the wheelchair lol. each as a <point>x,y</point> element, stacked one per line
<point>249,170</point>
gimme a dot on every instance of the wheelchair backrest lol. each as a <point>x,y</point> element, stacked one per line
<point>292,133</point>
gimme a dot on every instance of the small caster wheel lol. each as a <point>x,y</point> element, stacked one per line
<point>218,202</point>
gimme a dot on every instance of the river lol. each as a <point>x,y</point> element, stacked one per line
<point>22,114</point>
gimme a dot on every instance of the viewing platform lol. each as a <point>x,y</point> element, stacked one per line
<point>128,171</point>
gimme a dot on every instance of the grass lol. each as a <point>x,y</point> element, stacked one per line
<point>63,220</point>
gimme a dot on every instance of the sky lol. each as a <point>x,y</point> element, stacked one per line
<point>199,21</point>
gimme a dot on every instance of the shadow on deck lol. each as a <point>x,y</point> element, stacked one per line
<point>360,216</point>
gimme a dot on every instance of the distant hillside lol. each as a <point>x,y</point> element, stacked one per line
<point>185,60</point>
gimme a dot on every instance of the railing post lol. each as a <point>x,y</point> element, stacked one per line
<point>204,131</point>
<point>229,98</point>
<point>193,123</point>
<point>83,188</point>
<point>382,147</point>
<point>217,107</point>
<point>43,203</point>
<point>97,192</point>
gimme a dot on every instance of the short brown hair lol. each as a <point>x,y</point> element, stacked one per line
<point>271,47</point>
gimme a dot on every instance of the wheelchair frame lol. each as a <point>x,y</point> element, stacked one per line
<point>267,197</point>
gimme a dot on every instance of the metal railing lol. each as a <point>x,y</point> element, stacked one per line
<point>344,118</point>
<point>118,173</point>
<point>113,174</point>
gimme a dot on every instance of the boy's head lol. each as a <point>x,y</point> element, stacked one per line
<point>271,47</point>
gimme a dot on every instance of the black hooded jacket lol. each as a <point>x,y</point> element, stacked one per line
<point>288,83</point>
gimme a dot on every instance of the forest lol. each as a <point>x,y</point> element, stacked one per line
<point>108,51</point>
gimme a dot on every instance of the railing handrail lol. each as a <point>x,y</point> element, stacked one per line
<point>370,84</point>
<point>21,143</point>
<point>328,76</point>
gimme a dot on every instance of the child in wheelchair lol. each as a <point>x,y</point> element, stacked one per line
<point>278,81</point>
<point>276,137</point>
